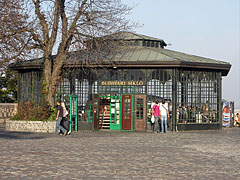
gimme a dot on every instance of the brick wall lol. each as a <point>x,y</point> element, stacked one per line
<point>7,110</point>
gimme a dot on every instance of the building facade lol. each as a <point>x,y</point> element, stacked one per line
<point>119,95</point>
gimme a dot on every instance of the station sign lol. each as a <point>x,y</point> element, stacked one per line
<point>122,83</point>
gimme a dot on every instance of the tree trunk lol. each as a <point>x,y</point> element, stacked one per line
<point>52,77</point>
<point>47,82</point>
<point>50,97</point>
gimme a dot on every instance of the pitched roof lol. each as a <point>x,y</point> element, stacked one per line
<point>151,54</point>
<point>131,36</point>
<point>138,56</point>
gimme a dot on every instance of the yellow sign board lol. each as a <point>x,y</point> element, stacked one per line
<point>122,83</point>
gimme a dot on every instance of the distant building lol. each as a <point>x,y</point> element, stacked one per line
<point>119,96</point>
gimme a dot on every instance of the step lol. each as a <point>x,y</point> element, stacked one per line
<point>105,122</point>
<point>104,118</point>
<point>100,115</point>
<point>105,127</point>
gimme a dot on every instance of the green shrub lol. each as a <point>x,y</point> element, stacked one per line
<point>53,115</point>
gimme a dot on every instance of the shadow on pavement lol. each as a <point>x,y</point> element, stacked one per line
<point>21,135</point>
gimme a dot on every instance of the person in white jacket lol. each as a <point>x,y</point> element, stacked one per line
<point>164,114</point>
<point>65,113</point>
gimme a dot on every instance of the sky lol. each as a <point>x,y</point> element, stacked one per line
<point>207,28</point>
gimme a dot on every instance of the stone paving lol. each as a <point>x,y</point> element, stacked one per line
<point>121,155</point>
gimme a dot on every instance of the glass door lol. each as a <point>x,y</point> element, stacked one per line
<point>126,112</point>
<point>140,112</point>
<point>115,109</point>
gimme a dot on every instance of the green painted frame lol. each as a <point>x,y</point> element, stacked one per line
<point>73,104</point>
<point>116,126</point>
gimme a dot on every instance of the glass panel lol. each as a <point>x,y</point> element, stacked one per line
<point>127,108</point>
<point>159,87</point>
<point>197,97</point>
<point>115,110</point>
<point>118,111</point>
<point>113,119</point>
<point>139,110</point>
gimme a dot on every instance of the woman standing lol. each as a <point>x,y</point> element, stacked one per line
<point>164,114</point>
<point>155,113</point>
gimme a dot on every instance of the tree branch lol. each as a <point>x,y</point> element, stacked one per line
<point>53,37</point>
<point>36,38</point>
<point>79,13</point>
<point>74,25</point>
<point>64,21</point>
<point>43,22</point>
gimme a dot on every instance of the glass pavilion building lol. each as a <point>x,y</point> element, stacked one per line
<point>119,96</point>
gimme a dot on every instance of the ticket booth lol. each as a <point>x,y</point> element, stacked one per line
<point>120,112</point>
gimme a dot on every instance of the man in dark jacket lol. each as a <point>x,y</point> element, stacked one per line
<point>59,119</point>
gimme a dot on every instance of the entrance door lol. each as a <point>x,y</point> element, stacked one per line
<point>115,112</point>
<point>95,111</point>
<point>140,112</point>
<point>126,112</point>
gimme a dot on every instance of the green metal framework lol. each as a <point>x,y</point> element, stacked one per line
<point>73,112</point>
<point>177,86</point>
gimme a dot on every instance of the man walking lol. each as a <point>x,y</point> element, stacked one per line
<point>59,119</point>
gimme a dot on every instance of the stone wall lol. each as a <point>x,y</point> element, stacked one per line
<point>7,110</point>
<point>31,126</point>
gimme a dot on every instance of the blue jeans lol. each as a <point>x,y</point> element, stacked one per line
<point>58,126</point>
<point>164,123</point>
<point>156,124</point>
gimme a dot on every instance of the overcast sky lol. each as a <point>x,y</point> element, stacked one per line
<point>207,28</point>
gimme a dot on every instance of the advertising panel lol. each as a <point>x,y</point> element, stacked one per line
<point>226,114</point>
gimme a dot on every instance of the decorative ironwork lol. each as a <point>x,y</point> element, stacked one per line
<point>197,97</point>
<point>192,95</point>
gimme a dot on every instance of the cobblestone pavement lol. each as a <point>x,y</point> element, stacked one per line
<point>121,155</point>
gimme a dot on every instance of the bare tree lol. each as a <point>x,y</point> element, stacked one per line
<point>13,36</point>
<point>59,26</point>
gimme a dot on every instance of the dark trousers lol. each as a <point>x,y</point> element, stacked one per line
<point>65,124</point>
<point>160,128</point>
<point>152,126</point>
